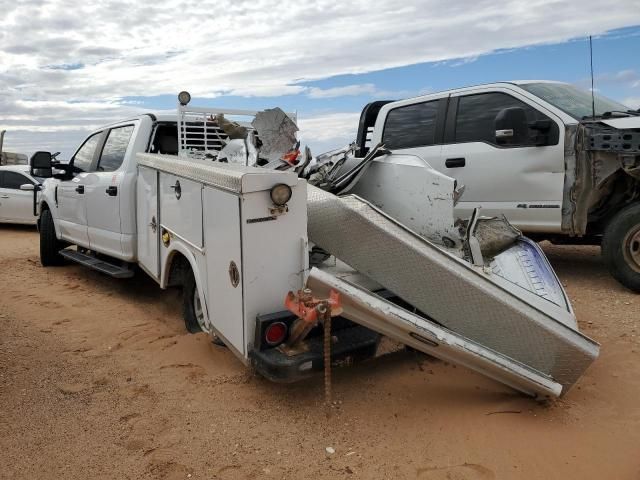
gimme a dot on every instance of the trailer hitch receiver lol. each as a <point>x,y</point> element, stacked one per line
<point>308,310</point>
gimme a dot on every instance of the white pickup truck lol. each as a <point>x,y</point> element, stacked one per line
<point>236,238</point>
<point>124,201</point>
<point>533,151</point>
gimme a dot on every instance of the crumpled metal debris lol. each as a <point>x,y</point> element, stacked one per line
<point>277,133</point>
<point>290,159</point>
<point>323,167</point>
<point>305,161</point>
<point>238,151</point>
<point>494,235</point>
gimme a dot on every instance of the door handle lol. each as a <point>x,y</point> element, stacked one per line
<point>112,191</point>
<point>455,162</point>
<point>508,133</point>
<point>177,189</point>
<point>4,196</point>
<point>80,189</point>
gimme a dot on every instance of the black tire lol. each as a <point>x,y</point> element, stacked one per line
<point>188,303</point>
<point>49,243</point>
<point>621,247</point>
<point>189,309</point>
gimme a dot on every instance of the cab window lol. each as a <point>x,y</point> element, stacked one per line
<point>83,158</point>
<point>115,148</point>
<point>411,126</point>
<point>13,180</point>
<point>476,117</point>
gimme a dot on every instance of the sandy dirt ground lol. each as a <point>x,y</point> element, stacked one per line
<point>98,379</point>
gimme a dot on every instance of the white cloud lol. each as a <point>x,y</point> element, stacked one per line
<point>633,102</point>
<point>86,56</point>
<point>348,90</point>
<point>368,89</point>
<point>325,132</point>
<point>626,77</point>
<point>330,126</point>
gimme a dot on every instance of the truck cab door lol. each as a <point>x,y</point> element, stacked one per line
<point>515,169</point>
<point>72,210</point>
<point>147,220</point>
<point>102,192</point>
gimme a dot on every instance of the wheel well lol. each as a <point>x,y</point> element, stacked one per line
<point>179,267</point>
<point>619,191</point>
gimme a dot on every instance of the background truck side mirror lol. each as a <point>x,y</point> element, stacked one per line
<point>512,127</point>
<point>40,164</point>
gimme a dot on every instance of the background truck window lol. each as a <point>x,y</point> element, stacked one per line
<point>411,126</point>
<point>475,121</point>
<point>572,100</point>
<point>13,180</point>
<point>114,148</point>
<point>84,157</point>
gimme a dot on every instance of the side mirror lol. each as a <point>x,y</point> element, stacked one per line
<point>27,187</point>
<point>512,127</point>
<point>40,164</point>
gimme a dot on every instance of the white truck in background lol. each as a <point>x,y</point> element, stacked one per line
<point>237,240</point>
<point>533,151</point>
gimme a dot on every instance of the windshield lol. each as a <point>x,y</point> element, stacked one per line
<point>572,100</point>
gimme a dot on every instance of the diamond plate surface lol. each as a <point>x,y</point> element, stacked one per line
<point>225,176</point>
<point>198,170</point>
<point>447,289</point>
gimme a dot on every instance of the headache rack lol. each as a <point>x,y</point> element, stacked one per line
<point>200,136</point>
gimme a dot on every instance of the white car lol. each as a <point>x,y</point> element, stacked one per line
<point>16,194</point>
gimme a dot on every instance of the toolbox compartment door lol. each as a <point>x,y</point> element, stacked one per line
<point>224,265</point>
<point>181,207</point>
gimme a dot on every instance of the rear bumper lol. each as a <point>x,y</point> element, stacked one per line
<point>353,344</point>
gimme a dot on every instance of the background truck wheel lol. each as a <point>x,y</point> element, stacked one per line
<point>621,247</point>
<point>49,244</point>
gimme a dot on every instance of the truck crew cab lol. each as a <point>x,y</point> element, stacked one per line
<point>93,202</point>
<point>533,151</point>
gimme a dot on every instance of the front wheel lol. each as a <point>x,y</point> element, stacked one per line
<point>621,247</point>
<point>49,243</point>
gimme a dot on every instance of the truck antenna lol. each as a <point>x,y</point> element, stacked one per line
<point>593,100</point>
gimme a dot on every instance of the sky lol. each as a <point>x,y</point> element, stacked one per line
<point>67,67</point>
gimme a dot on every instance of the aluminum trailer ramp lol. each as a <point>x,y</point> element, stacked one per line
<point>484,308</point>
<point>382,316</point>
